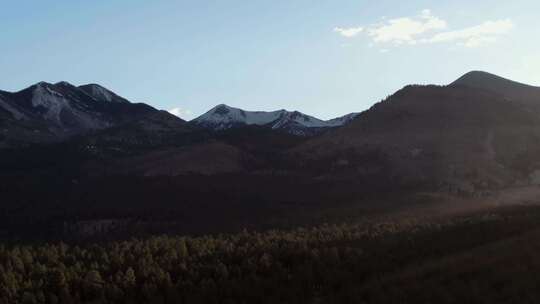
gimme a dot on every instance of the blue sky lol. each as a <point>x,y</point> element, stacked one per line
<point>324,58</point>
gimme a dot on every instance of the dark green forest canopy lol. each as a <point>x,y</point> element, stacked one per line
<point>383,262</point>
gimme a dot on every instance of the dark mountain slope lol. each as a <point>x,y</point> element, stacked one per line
<point>183,149</point>
<point>511,90</point>
<point>156,130</point>
<point>456,137</point>
<point>48,112</point>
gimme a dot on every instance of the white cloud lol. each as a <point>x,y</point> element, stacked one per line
<point>474,42</point>
<point>182,113</point>
<point>406,29</point>
<point>475,36</point>
<point>349,32</point>
<point>425,28</point>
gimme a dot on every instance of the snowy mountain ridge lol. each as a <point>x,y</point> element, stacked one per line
<point>224,117</point>
<point>47,112</point>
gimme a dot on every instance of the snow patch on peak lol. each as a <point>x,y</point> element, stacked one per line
<point>343,120</point>
<point>224,117</point>
<point>100,92</point>
<point>45,88</point>
<point>221,109</point>
<point>300,119</point>
<point>51,101</point>
<point>8,107</point>
<point>43,84</point>
<point>66,113</point>
<point>64,83</point>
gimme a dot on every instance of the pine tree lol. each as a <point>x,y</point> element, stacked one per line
<point>129,279</point>
<point>93,285</point>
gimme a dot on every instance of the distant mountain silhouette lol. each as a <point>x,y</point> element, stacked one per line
<point>480,132</point>
<point>511,90</point>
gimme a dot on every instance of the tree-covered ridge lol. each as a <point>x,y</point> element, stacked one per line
<point>160,268</point>
<point>325,264</point>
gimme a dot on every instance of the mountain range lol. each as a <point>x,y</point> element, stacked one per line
<point>224,117</point>
<point>479,132</point>
<point>46,112</point>
<point>88,153</point>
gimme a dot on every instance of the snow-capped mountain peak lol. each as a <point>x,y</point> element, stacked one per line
<point>50,101</point>
<point>342,120</point>
<point>64,84</point>
<point>47,112</point>
<point>102,94</point>
<point>223,117</point>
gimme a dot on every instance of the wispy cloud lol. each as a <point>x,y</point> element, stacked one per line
<point>348,32</point>
<point>181,112</point>
<point>406,29</point>
<point>475,36</point>
<point>426,28</point>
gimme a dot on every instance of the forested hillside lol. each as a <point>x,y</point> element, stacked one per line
<point>383,262</point>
